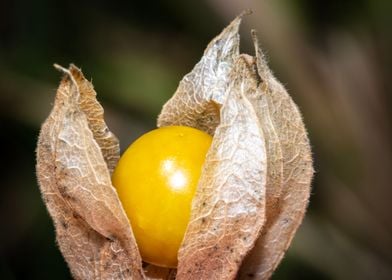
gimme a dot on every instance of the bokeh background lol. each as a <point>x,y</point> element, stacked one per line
<point>333,56</point>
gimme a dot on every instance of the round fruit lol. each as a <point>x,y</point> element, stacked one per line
<point>156,179</point>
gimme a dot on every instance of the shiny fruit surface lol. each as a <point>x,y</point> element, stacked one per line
<point>156,179</point>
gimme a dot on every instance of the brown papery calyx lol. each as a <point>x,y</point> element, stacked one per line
<point>252,193</point>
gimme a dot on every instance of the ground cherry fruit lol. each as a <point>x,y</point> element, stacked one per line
<point>156,179</point>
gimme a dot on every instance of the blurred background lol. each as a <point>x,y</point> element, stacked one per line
<point>333,56</point>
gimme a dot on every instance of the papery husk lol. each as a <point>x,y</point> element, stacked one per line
<point>288,168</point>
<point>229,204</point>
<point>289,210</point>
<point>92,230</point>
<point>252,193</point>
<point>201,93</point>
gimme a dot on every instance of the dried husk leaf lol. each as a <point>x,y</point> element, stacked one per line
<point>107,141</point>
<point>228,208</point>
<point>197,100</point>
<point>297,175</point>
<point>201,93</point>
<point>289,162</point>
<point>92,230</point>
<point>259,101</point>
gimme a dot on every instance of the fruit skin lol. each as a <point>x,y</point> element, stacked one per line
<point>156,179</point>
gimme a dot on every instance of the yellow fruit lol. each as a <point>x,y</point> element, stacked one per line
<point>156,179</point>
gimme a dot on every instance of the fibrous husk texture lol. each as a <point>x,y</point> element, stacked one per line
<point>252,193</point>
